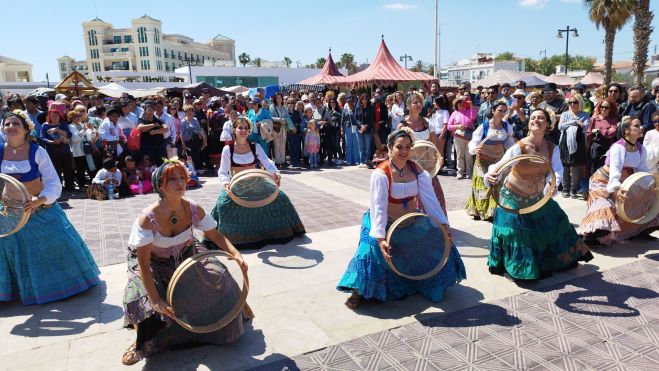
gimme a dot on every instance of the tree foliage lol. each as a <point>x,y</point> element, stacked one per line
<point>320,62</point>
<point>244,59</point>
<point>347,61</point>
<point>505,56</point>
<point>257,62</point>
<point>547,66</point>
<point>288,62</point>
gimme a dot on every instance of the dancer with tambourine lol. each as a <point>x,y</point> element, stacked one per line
<point>46,259</point>
<point>260,219</point>
<point>396,186</point>
<point>161,239</point>
<point>531,235</point>
<point>489,142</point>
<point>603,224</point>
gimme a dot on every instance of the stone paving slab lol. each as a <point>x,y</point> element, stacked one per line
<point>606,320</point>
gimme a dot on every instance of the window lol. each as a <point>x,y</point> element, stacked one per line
<point>92,38</point>
<point>173,57</point>
<point>94,53</point>
<point>166,53</point>
<point>166,66</point>
<point>141,35</point>
<point>124,49</point>
<point>117,39</point>
<point>179,56</point>
<point>62,66</point>
<point>128,39</point>
<point>186,55</point>
<point>156,36</point>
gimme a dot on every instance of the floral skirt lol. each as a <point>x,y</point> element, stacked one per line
<point>535,245</point>
<point>276,223</point>
<point>601,221</point>
<point>371,276</point>
<point>46,260</point>
<point>480,202</point>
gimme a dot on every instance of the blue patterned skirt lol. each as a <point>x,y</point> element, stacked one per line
<point>275,223</point>
<point>372,277</point>
<point>46,260</point>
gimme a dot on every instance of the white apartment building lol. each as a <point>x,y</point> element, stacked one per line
<point>479,67</point>
<point>66,65</point>
<point>12,70</point>
<point>144,50</point>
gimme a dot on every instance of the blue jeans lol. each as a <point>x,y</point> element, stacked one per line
<point>294,147</point>
<point>352,147</point>
<point>313,159</point>
<point>365,146</point>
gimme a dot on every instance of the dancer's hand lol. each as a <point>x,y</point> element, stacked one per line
<point>621,195</point>
<point>239,259</point>
<point>385,249</point>
<point>32,205</point>
<point>161,306</point>
<point>492,179</point>
<point>277,178</point>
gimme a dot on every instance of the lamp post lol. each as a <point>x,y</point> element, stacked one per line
<point>406,58</point>
<point>567,41</point>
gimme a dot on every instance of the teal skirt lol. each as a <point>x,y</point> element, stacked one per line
<point>535,245</point>
<point>46,260</point>
<point>250,228</point>
<point>371,276</point>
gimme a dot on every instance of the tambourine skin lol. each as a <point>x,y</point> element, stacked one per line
<point>24,194</point>
<point>252,204</point>
<point>529,209</point>
<point>626,186</point>
<point>222,322</point>
<point>427,156</point>
<point>447,243</point>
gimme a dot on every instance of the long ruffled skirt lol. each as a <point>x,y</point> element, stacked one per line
<point>276,223</point>
<point>535,245</point>
<point>372,277</point>
<point>46,260</point>
<point>601,221</point>
<point>480,203</point>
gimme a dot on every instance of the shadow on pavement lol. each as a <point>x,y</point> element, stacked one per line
<point>292,257</point>
<point>632,248</point>
<point>481,315</point>
<point>466,239</point>
<point>65,317</point>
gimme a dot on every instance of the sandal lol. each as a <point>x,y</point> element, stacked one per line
<point>353,301</point>
<point>131,355</point>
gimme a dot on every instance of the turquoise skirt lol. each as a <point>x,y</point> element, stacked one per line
<point>276,223</point>
<point>372,277</point>
<point>46,260</point>
<point>535,245</point>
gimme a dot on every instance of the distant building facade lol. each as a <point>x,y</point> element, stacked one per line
<point>66,65</point>
<point>479,67</point>
<point>144,50</point>
<point>13,70</point>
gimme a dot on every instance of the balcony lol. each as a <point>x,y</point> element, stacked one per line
<point>117,55</point>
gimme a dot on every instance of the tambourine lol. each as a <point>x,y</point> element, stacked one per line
<point>206,293</point>
<point>531,162</point>
<point>427,156</point>
<point>253,188</point>
<point>642,201</point>
<point>13,196</point>
<point>420,246</point>
<point>500,136</point>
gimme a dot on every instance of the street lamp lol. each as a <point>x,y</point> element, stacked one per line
<point>406,58</point>
<point>567,41</point>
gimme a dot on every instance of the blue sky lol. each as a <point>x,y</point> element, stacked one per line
<point>40,32</point>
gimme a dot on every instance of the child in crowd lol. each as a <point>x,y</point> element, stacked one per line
<point>312,143</point>
<point>133,178</point>
<point>105,184</point>
<point>194,178</point>
<point>381,154</point>
<point>147,167</point>
<point>308,115</point>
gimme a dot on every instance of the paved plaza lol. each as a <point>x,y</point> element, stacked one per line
<point>602,315</point>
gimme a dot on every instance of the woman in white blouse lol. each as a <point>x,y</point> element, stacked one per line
<point>276,223</point>
<point>601,224</point>
<point>535,245</point>
<point>162,237</point>
<point>46,260</point>
<point>394,194</point>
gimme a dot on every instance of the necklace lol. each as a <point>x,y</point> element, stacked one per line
<point>14,150</point>
<point>173,218</point>
<point>400,171</point>
<point>632,145</point>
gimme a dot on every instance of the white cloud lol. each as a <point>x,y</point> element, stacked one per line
<point>537,4</point>
<point>399,6</point>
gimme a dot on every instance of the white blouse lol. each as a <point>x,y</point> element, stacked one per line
<point>142,237</point>
<point>224,172</point>
<point>477,137</point>
<point>513,151</point>
<point>438,120</point>
<point>52,186</point>
<point>380,195</point>
<point>619,158</point>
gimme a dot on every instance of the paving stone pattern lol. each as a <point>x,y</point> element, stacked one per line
<point>604,321</point>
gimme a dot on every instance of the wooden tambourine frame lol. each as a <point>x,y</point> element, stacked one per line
<point>427,146</point>
<point>537,205</point>
<point>252,204</point>
<point>11,182</point>
<point>447,242</point>
<point>222,322</point>
<point>626,185</point>
<point>491,136</point>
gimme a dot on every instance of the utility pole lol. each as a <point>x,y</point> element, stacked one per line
<point>47,81</point>
<point>435,70</point>
<point>544,52</point>
<point>406,58</point>
<point>567,42</point>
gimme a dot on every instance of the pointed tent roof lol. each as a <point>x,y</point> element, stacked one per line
<point>329,75</point>
<point>532,79</point>
<point>75,84</point>
<point>221,37</point>
<point>560,80</point>
<point>385,70</point>
<point>593,79</point>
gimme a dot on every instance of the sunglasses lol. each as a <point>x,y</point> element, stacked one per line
<point>573,102</point>
<point>614,91</point>
<point>606,107</point>
<point>655,122</point>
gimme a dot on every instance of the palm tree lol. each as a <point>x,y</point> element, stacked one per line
<point>244,59</point>
<point>320,62</point>
<point>288,62</point>
<point>612,15</point>
<point>418,66</point>
<point>642,31</point>
<point>257,62</point>
<point>348,61</point>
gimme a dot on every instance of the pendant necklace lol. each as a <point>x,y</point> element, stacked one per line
<point>14,150</point>
<point>173,218</point>
<point>400,171</point>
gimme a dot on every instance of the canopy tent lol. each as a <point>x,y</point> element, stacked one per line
<point>500,77</point>
<point>385,71</point>
<point>329,75</point>
<point>297,87</point>
<point>562,81</point>
<point>75,85</point>
<point>236,89</point>
<point>41,91</point>
<point>593,79</point>
<point>115,90</point>
<point>195,89</point>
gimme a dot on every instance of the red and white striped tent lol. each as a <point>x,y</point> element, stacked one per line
<point>386,71</point>
<point>329,75</point>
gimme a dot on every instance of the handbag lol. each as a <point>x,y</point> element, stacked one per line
<point>134,140</point>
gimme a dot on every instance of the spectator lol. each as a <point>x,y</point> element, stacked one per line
<point>262,125</point>
<point>32,111</point>
<point>428,104</point>
<point>601,132</point>
<point>105,184</point>
<point>573,126</point>
<point>381,120</point>
<point>615,92</point>
<point>640,106</point>
<point>55,136</point>
<point>280,125</point>
<point>312,143</point>
<point>111,135</point>
<point>438,124</point>
<point>364,115</point>
<point>192,137</point>
<point>553,102</point>
<point>485,109</point>
<point>518,114</point>
<point>506,94</point>
<point>294,138</point>
<point>461,125</point>
<point>651,144</point>
<point>397,111</point>
<point>321,115</point>
<point>350,126</point>
<point>152,138</point>
<point>128,119</point>
<point>217,117</point>
<point>167,119</point>
<point>79,141</point>
<point>96,102</point>
<point>580,88</point>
